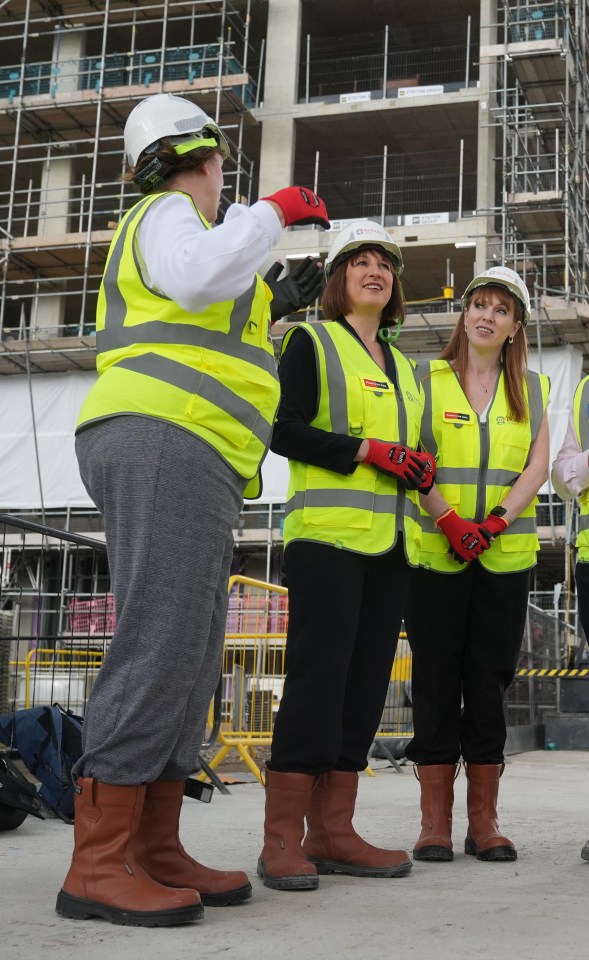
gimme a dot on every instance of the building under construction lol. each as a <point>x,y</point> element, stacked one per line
<point>462,127</point>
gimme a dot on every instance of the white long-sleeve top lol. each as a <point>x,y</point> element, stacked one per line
<point>570,470</point>
<point>193,266</point>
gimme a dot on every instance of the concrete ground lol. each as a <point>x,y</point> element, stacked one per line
<point>532,909</point>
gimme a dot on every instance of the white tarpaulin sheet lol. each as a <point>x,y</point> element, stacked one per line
<point>57,399</point>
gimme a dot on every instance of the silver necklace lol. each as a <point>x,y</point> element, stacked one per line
<point>482,385</point>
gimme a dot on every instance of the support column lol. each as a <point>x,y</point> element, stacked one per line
<point>487,135</point>
<point>280,93</point>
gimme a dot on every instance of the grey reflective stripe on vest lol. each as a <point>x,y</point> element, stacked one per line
<point>351,499</point>
<point>116,336</point>
<point>116,306</point>
<point>584,418</point>
<point>535,403</point>
<point>338,407</point>
<point>428,441</point>
<point>461,475</point>
<point>584,521</point>
<point>464,475</point>
<point>195,382</point>
<point>519,526</point>
<point>337,394</point>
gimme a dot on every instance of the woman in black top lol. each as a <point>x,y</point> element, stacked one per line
<point>351,534</point>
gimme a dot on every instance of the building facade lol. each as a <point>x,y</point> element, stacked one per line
<point>462,127</point>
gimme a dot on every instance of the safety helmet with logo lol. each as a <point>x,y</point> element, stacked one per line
<point>362,235</point>
<point>506,278</point>
<point>166,115</point>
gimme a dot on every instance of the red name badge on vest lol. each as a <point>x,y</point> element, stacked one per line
<point>456,417</point>
<point>375,384</point>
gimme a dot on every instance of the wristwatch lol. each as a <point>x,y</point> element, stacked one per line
<point>498,512</point>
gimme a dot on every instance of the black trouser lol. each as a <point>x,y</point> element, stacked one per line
<point>345,612</point>
<point>465,632</point>
<point>582,581</point>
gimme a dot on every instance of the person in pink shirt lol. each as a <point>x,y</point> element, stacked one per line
<point>570,478</point>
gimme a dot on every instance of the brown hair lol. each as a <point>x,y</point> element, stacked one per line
<point>170,163</point>
<point>335,301</point>
<point>514,356</point>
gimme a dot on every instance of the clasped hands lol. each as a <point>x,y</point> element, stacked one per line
<point>416,470</point>
<point>467,538</point>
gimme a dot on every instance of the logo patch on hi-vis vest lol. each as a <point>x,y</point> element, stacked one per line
<point>450,415</point>
<point>376,384</point>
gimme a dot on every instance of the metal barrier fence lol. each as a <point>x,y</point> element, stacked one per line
<point>385,61</point>
<point>253,676</point>
<point>57,617</point>
<point>141,67</point>
<point>253,668</point>
<point>394,184</point>
<point>545,648</point>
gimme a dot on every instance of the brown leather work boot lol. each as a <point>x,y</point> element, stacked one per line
<point>158,849</point>
<point>437,800</point>
<point>484,841</point>
<point>333,845</point>
<point>105,880</point>
<point>282,864</point>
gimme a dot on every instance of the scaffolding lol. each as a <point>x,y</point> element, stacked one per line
<point>67,84</point>
<point>462,129</point>
<point>541,110</point>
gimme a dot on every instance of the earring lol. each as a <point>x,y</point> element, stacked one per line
<point>510,339</point>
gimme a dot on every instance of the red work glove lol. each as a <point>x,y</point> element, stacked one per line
<point>465,537</point>
<point>494,525</point>
<point>396,461</point>
<point>429,473</point>
<point>300,205</point>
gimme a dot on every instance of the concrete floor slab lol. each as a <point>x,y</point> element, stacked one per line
<point>531,909</point>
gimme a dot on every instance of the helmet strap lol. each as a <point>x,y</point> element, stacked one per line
<point>150,176</point>
<point>389,336</point>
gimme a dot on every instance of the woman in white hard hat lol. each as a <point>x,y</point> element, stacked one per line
<point>485,421</point>
<point>348,422</point>
<point>169,441</point>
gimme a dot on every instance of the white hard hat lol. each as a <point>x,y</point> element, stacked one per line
<point>165,115</point>
<point>362,234</point>
<point>506,278</point>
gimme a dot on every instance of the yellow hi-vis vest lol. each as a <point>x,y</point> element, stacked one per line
<point>478,463</point>
<point>362,511</point>
<point>212,373</point>
<point>581,415</point>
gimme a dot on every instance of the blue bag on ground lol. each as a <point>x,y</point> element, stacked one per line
<point>49,742</point>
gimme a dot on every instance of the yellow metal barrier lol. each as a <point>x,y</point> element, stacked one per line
<point>253,673</point>
<point>253,668</point>
<point>47,669</point>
